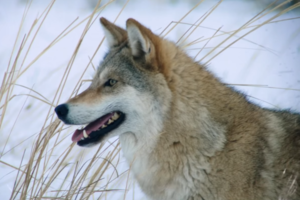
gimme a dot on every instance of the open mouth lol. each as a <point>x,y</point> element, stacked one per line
<point>96,130</point>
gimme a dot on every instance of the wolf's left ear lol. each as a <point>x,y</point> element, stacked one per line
<point>138,40</point>
<point>115,35</point>
<point>143,43</point>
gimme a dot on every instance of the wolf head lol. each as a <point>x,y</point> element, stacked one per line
<point>129,92</point>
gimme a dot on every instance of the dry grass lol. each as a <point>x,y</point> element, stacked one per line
<point>49,168</point>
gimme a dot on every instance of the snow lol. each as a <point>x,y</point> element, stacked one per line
<point>269,56</point>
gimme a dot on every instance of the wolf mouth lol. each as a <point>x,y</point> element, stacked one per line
<point>96,130</point>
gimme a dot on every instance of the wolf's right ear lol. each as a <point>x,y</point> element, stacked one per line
<point>115,35</point>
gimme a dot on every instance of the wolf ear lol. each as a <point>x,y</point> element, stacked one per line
<point>139,42</point>
<point>143,44</point>
<point>115,35</point>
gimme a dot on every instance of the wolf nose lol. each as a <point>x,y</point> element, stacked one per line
<point>62,111</point>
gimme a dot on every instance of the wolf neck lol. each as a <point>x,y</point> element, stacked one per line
<point>193,130</point>
<point>196,110</point>
<point>201,110</point>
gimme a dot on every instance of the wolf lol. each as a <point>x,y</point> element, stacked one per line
<point>185,134</point>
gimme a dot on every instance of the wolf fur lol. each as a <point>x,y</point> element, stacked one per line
<point>186,134</point>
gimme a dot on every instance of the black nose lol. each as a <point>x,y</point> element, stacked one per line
<point>62,111</point>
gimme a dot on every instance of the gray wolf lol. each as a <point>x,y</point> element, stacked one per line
<point>185,134</point>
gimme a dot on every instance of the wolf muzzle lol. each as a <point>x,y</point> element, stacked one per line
<point>62,112</point>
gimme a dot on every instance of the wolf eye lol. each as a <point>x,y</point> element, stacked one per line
<point>110,82</point>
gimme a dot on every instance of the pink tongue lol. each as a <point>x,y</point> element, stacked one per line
<point>95,125</point>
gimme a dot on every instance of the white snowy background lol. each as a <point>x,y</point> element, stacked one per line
<point>269,57</point>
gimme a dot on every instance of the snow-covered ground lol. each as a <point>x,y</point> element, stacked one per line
<point>268,57</point>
